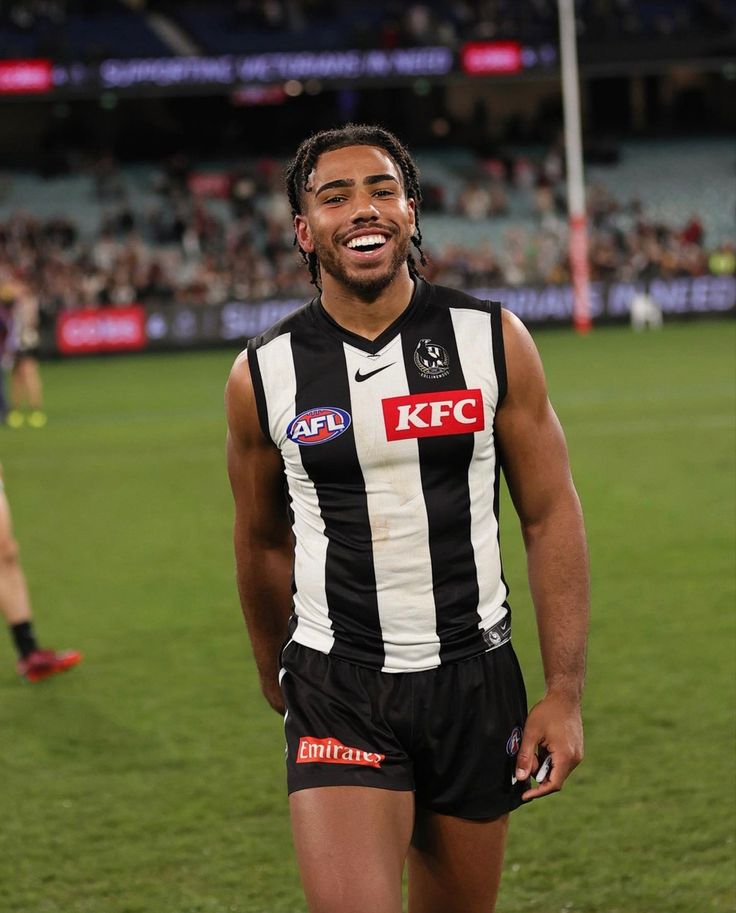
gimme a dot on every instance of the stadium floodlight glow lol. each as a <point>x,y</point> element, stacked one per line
<point>574,162</point>
<point>293,88</point>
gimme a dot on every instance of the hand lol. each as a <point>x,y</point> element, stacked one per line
<point>554,725</point>
<point>272,692</point>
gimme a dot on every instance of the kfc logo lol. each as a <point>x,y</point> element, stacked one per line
<point>433,414</point>
<point>330,751</point>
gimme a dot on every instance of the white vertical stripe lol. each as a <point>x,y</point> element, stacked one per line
<point>397,514</point>
<point>314,628</point>
<point>474,343</point>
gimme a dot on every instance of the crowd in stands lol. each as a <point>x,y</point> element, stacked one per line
<point>237,243</point>
<point>213,25</point>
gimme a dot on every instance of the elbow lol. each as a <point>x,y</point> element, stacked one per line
<point>531,531</point>
<point>558,517</point>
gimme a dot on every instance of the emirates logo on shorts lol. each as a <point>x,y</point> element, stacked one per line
<point>331,751</point>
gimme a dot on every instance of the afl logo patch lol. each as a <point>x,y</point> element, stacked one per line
<point>514,743</point>
<point>431,359</point>
<point>317,426</point>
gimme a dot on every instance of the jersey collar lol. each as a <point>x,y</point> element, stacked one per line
<point>419,299</point>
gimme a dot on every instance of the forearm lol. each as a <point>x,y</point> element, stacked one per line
<point>264,586</point>
<point>557,561</point>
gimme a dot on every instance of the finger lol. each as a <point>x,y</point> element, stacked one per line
<point>553,784</point>
<point>526,760</point>
<point>537,792</point>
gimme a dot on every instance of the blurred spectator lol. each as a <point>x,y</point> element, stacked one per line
<point>188,248</point>
<point>722,262</point>
<point>391,24</point>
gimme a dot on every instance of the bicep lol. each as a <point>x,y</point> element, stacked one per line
<point>529,435</point>
<point>254,466</point>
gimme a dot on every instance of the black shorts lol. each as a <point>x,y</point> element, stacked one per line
<point>449,734</point>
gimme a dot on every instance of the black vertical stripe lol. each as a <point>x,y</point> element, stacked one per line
<point>499,363</point>
<point>334,468</point>
<point>499,353</point>
<point>444,465</point>
<point>257,381</point>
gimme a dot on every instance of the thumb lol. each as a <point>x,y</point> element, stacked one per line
<point>527,755</point>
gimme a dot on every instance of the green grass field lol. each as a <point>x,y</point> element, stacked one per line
<point>150,779</point>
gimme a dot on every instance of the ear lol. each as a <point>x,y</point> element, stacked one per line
<point>412,207</point>
<point>303,234</point>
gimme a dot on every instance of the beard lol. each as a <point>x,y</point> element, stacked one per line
<point>366,287</point>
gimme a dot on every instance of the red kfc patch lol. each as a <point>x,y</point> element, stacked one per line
<point>433,414</point>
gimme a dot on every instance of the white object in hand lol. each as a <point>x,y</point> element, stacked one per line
<point>541,775</point>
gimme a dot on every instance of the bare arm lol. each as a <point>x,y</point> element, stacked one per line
<point>536,467</point>
<point>262,535</point>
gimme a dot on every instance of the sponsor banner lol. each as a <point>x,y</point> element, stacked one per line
<point>487,58</point>
<point>331,751</point>
<point>433,414</point>
<point>25,77</point>
<point>169,326</point>
<point>102,330</point>
<point>250,96</point>
<point>251,69</point>
<point>240,73</point>
<point>209,184</point>
<point>539,304</point>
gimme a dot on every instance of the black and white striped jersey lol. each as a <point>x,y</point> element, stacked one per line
<point>392,473</point>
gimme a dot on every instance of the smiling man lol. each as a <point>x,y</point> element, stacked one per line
<point>367,433</point>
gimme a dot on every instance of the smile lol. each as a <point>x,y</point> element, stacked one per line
<point>367,243</point>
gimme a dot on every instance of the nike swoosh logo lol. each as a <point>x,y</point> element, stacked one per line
<point>360,377</point>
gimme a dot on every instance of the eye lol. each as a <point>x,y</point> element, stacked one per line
<point>384,193</point>
<point>336,199</point>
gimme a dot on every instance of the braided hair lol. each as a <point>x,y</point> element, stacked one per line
<point>298,171</point>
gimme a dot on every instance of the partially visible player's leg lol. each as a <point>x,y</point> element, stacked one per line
<point>34,664</point>
<point>15,605</point>
<point>27,391</point>
<point>351,844</point>
<point>471,716</point>
<point>455,863</point>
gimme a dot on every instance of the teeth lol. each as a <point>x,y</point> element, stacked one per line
<point>366,241</point>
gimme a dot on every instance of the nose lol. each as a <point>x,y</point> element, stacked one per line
<point>365,208</point>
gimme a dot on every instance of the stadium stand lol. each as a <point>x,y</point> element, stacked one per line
<point>69,30</point>
<point>85,30</point>
<point>218,231</point>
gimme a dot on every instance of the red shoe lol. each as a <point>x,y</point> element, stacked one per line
<point>42,663</point>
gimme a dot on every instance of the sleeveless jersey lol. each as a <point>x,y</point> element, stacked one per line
<point>392,478</point>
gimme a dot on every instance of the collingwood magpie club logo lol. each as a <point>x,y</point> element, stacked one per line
<point>431,359</point>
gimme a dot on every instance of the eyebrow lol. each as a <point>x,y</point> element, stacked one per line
<point>345,182</point>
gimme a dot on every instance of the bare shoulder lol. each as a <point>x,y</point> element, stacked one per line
<point>239,381</point>
<point>240,402</point>
<point>523,364</point>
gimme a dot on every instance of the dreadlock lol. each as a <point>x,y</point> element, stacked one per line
<point>298,171</point>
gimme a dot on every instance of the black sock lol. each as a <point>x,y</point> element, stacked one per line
<point>24,638</point>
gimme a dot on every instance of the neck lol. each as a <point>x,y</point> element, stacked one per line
<point>367,317</point>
